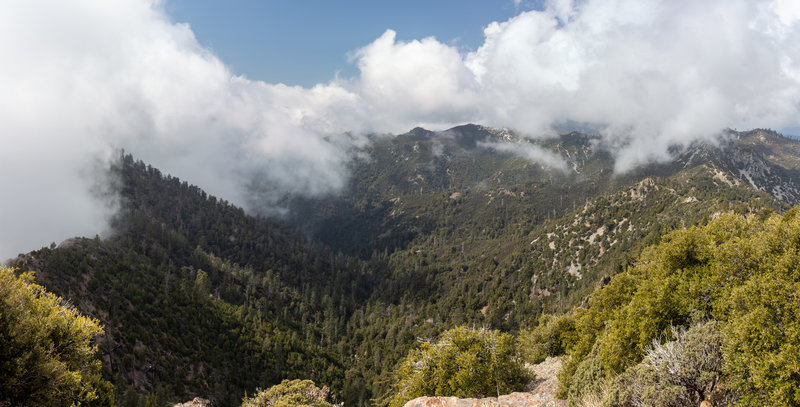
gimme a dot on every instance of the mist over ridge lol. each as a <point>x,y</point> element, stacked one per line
<point>88,78</point>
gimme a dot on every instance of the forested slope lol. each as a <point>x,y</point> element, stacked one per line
<point>198,298</point>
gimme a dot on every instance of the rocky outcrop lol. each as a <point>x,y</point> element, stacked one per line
<point>196,402</point>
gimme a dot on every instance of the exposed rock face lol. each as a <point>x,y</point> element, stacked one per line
<point>196,402</point>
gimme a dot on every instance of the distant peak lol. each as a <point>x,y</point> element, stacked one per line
<point>467,127</point>
<point>420,132</point>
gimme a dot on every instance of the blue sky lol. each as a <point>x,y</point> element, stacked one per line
<point>308,42</point>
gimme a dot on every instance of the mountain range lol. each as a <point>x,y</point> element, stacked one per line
<point>469,226</point>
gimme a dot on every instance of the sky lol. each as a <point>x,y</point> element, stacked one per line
<point>308,42</point>
<point>255,102</point>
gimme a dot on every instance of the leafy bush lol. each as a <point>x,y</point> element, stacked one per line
<point>681,372</point>
<point>552,337</point>
<point>740,273</point>
<point>587,383</point>
<point>464,362</point>
<point>762,346</point>
<point>46,352</point>
<point>291,393</point>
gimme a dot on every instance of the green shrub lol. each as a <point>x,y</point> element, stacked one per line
<point>587,382</point>
<point>552,337</point>
<point>46,353</point>
<point>682,372</point>
<point>464,362</point>
<point>740,273</point>
<point>762,348</point>
<point>290,393</point>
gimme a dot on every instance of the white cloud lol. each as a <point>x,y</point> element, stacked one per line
<point>420,82</point>
<point>83,77</point>
<point>651,73</point>
<point>531,152</point>
<point>654,72</point>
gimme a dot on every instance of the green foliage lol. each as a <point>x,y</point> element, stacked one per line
<point>552,337</point>
<point>201,286</point>
<point>681,372</point>
<point>464,362</point>
<point>46,351</point>
<point>587,383</point>
<point>740,274</point>
<point>198,298</point>
<point>290,393</point>
<point>763,335</point>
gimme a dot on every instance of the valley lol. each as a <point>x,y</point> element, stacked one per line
<point>470,226</point>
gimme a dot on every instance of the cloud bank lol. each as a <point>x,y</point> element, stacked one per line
<point>82,78</point>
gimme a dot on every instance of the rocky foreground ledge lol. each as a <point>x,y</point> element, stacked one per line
<point>541,393</point>
<point>509,400</point>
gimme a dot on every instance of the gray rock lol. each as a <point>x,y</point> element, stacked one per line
<point>196,402</point>
<point>508,400</point>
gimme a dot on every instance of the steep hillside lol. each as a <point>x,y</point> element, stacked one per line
<point>458,206</point>
<point>473,235</point>
<point>404,186</point>
<point>707,315</point>
<point>200,299</point>
<point>763,159</point>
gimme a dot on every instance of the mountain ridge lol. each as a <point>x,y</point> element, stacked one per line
<point>436,229</point>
